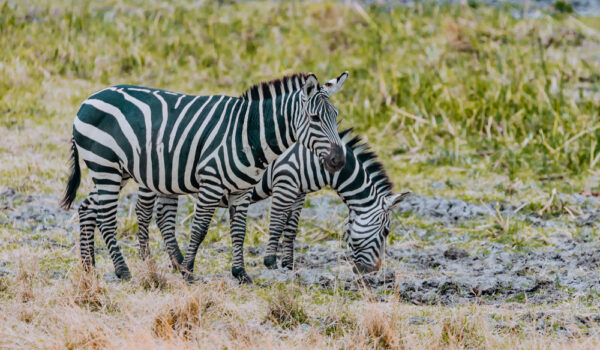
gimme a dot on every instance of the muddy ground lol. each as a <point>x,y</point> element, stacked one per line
<point>422,266</point>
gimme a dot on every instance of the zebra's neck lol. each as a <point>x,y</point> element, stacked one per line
<point>354,184</point>
<point>269,126</point>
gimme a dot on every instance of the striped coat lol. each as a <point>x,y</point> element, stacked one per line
<point>212,146</point>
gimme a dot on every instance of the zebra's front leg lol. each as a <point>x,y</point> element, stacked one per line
<point>87,227</point>
<point>108,197</point>
<point>144,208</point>
<point>166,213</point>
<point>238,235</point>
<point>203,213</point>
<point>278,220</point>
<point>289,234</point>
<point>280,211</point>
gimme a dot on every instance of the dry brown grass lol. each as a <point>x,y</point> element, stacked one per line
<point>23,287</point>
<point>84,311</point>
<point>85,289</point>
<point>158,310</point>
<point>284,308</point>
<point>379,327</point>
<point>189,314</point>
<point>84,332</point>
<point>463,331</point>
<point>3,284</point>
<point>338,319</point>
<point>150,277</point>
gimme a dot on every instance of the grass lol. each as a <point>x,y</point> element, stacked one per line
<point>224,315</point>
<point>285,309</point>
<point>151,277</point>
<point>458,86</point>
<point>463,102</point>
<point>181,319</point>
<point>88,290</point>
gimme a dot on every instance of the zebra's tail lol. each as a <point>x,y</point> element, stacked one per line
<point>74,179</point>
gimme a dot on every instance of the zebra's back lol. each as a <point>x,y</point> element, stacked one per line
<point>158,137</point>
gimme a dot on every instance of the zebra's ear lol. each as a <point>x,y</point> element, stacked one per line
<point>311,86</point>
<point>393,200</point>
<point>335,84</point>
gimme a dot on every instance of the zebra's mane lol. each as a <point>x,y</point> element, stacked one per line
<point>280,86</point>
<point>368,159</point>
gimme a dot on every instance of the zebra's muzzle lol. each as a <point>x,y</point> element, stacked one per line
<point>335,160</point>
<point>360,268</point>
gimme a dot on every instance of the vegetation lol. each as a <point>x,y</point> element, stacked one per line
<point>464,87</point>
<point>284,308</point>
<point>463,101</point>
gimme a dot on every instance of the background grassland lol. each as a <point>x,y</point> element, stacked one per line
<point>430,87</point>
<point>457,101</point>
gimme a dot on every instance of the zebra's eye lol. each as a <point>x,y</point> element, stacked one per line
<point>315,118</point>
<point>386,232</point>
<point>387,228</point>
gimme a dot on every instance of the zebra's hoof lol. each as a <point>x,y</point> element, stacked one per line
<point>189,277</point>
<point>177,264</point>
<point>187,272</point>
<point>240,274</point>
<point>270,262</point>
<point>287,264</point>
<point>123,273</point>
<point>186,267</point>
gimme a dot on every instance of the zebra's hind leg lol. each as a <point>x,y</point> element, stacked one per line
<point>144,208</point>
<point>166,213</point>
<point>203,213</point>
<point>238,235</point>
<point>108,197</point>
<point>87,227</point>
<point>289,234</point>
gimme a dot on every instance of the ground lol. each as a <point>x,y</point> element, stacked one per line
<point>488,114</point>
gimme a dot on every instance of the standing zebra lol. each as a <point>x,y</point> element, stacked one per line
<point>212,146</point>
<point>362,184</point>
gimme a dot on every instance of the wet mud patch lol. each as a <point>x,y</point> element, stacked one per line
<point>439,271</point>
<point>448,275</point>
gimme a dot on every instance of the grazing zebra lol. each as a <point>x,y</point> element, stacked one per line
<point>362,184</point>
<point>212,146</point>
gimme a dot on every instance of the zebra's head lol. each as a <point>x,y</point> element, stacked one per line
<point>317,125</point>
<point>366,232</point>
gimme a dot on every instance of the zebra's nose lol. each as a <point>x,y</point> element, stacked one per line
<point>335,159</point>
<point>360,267</point>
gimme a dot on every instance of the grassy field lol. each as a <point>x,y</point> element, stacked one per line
<point>463,102</point>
